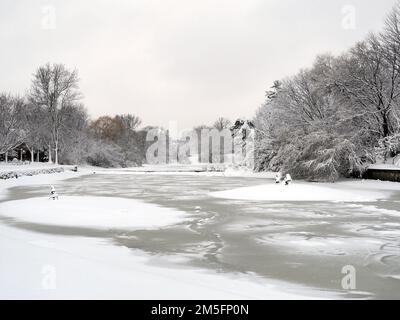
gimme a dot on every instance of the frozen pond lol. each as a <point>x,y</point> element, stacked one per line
<point>305,243</point>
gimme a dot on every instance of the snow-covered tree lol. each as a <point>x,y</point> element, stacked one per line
<point>334,118</point>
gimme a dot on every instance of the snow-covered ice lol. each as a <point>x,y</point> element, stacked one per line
<point>96,268</point>
<point>300,191</point>
<point>91,212</point>
<point>309,243</point>
<point>176,263</point>
<point>40,266</point>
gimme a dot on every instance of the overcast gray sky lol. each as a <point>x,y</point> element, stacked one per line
<point>189,61</point>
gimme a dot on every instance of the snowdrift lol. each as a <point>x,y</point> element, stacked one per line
<point>301,192</point>
<point>91,212</point>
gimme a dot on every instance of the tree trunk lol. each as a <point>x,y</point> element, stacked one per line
<point>6,156</point>
<point>50,154</point>
<point>32,152</point>
<point>56,153</point>
<point>385,126</point>
<point>38,156</point>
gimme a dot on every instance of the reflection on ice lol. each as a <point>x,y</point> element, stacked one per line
<point>309,243</point>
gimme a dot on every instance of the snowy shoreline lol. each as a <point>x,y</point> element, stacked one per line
<point>40,179</point>
<point>19,172</point>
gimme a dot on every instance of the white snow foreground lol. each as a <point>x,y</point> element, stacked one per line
<point>41,266</point>
<point>91,212</point>
<point>353,191</point>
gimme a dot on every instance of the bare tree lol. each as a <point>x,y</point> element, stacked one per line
<point>12,130</point>
<point>129,121</point>
<point>36,127</point>
<point>54,87</point>
<point>222,123</point>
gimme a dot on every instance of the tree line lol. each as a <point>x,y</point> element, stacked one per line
<point>52,123</point>
<point>333,119</point>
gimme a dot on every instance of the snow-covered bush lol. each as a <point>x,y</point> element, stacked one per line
<point>324,157</point>
<point>105,155</point>
<point>389,147</point>
<point>120,135</point>
<point>318,156</point>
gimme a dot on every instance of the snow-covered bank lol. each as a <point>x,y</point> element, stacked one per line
<point>41,266</point>
<point>384,167</point>
<point>348,191</point>
<point>91,212</point>
<point>9,171</point>
<point>31,172</point>
<point>18,166</point>
<point>40,179</point>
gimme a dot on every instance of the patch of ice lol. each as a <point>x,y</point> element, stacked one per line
<point>373,210</point>
<point>382,229</point>
<point>257,225</point>
<point>309,243</point>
